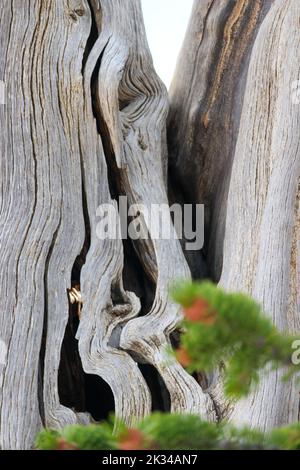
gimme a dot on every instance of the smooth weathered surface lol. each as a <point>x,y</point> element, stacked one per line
<point>261,249</point>
<point>206,98</point>
<point>234,145</point>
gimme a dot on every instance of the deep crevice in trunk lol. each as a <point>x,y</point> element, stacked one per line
<point>197,261</point>
<point>159,392</point>
<point>78,390</point>
<point>135,278</point>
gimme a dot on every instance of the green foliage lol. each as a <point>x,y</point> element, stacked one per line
<point>92,437</point>
<point>240,335</point>
<point>175,432</point>
<point>47,439</point>
<point>287,438</point>
<point>171,432</point>
<point>246,439</point>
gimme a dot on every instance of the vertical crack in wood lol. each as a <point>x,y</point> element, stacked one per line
<point>134,108</point>
<point>106,304</point>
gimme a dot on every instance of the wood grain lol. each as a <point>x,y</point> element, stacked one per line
<point>206,98</point>
<point>84,108</point>
<point>261,249</point>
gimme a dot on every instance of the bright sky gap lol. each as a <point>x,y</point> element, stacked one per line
<point>166,23</point>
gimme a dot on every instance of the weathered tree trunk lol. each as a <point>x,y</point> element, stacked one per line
<point>234,141</point>
<point>206,102</point>
<point>261,248</point>
<point>85,122</point>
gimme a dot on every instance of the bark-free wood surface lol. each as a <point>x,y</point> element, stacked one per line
<point>83,101</point>
<point>84,122</point>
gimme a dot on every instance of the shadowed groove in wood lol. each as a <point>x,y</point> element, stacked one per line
<point>104,264</point>
<point>206,97</point>
<point>136,128</point>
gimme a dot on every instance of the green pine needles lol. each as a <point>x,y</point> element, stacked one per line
<point>231,328</point>
<point>169,432</point>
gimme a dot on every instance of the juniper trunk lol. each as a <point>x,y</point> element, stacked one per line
<point>85,122</point>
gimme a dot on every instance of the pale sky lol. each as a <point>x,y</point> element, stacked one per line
<point>166,22</point>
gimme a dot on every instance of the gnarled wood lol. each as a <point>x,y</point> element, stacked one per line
<point>85,122</point>
<point>134,110</point>
<point>84,105</point>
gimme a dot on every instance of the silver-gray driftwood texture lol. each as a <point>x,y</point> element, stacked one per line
<point>84,121</point>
